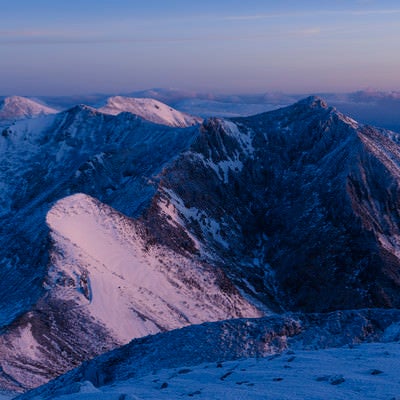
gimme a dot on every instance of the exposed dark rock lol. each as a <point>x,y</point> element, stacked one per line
<point>299,206</point>
<point>336,380</point>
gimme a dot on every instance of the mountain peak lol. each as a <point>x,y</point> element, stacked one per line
<point>314,102</point>
<point>151,110</point>
<point>82,108</point>
<point>17,107</point>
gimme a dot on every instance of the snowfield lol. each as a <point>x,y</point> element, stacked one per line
<point>366,371</point>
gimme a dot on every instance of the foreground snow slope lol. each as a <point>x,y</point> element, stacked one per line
<point>150,110</point>
<point>366,371</point>
<point>170,363</point>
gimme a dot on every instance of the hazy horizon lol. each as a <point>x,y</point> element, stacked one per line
<point>84,47</point>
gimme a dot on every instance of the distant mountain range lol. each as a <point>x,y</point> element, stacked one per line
<point>371,107</point>
<point>115,227</point>
<point>16,108</point>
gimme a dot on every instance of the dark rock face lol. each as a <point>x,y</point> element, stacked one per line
<point>299,206</point>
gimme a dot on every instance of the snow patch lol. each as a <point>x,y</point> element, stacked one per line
<point>244,138</point>
<point>175,208</point>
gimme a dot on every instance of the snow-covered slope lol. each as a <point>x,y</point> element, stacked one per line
<point>133,288</point>
<point>367,371</point>
<point>16,107</point>
<point>106,284</point>
<point>115,159</point>
<point>150,110</point>
<point>248,358</point>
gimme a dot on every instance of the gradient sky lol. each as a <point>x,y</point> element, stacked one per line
<point>55,47</point>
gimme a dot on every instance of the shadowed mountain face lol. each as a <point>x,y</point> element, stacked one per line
<point>299,206</point>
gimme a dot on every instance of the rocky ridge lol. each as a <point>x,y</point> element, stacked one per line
<point>299,206</point>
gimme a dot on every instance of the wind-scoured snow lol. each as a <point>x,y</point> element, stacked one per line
<point>150,110</point>
<point>108,283</point>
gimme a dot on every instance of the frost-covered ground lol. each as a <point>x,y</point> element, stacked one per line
<point>366,371</point>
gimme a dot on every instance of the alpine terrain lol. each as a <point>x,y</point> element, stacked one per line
<point>116,228</point>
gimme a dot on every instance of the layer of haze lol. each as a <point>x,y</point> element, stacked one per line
<point>50,47</point>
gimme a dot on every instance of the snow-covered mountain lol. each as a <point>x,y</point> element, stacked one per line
<point>151,228</point>
<point>150,110</point>
<point>17,107</point>
<point>99,277</point>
